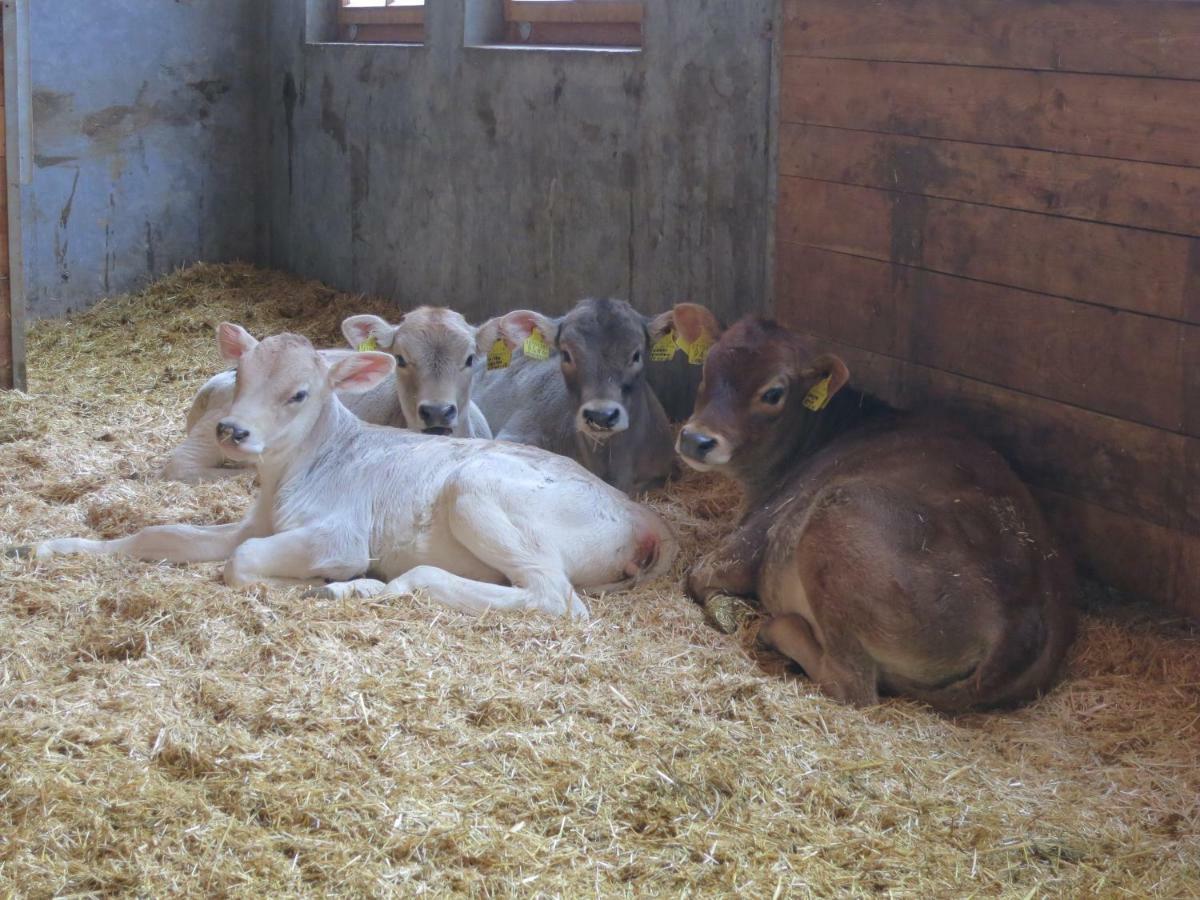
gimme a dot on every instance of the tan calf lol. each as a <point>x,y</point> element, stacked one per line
<point>893,555</point>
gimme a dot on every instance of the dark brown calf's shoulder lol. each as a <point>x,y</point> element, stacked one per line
<point>892,554</point>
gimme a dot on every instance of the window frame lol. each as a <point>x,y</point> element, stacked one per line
<point>386,22</point>
<point>608,23</point>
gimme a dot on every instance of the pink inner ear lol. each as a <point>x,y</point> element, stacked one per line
<point>688,322</point>
<point>232,341</point>
<point>362,371</point>
<point>517,326</point>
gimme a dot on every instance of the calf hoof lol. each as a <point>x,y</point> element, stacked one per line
<point>727,614</point>
<point>319,593</point>
<point>20,551</point>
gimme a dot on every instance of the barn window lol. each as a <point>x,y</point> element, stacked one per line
<point>381,21</point>
<point>608,23</point>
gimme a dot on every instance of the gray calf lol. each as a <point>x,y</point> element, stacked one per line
<point>589,399</point>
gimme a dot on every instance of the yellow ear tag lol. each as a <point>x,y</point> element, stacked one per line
<point>664,348</point>
<point>818,398</point>
<point>697,350</point>
<point>499,356</point>
<point>369,344</point>
<point>535,347</point>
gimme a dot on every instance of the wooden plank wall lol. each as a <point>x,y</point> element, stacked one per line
<point>993,206</point>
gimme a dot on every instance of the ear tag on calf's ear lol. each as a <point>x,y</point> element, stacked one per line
<point>535,347</point>
<point>697,350</point>
<point>664,348</point>
<point>499,356</point>
<point>818,398</point>
<point>369,344</point>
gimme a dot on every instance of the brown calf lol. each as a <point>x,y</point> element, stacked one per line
<point>893,555</point>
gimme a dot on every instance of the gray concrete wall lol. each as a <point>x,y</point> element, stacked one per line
<point>487,179</point>
<point>147,145</point>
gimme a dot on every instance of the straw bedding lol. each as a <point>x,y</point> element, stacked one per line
<point>161,733</point>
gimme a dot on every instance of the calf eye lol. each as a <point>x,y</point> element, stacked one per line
<point>566,357</point>
<point>298,397</point>
<point>470,361</point>
<point>637,357</point>
<point>771,396</point>
<point>400,361</point>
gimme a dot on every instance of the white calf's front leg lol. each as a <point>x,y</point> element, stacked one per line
<point>170,543</point>
<point>297,558</point>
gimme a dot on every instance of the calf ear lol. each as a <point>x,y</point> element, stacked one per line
<point>828,366</point>
<point>358,372</point>
<point>690,321</point>
<point>361,329</point>
<point>519,324</point>
<point>234,341</point>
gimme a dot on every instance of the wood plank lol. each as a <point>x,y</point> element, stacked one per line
<point>382,34</point>
<point>1129,468</point>
<point>1143,560</point>
<point>409,14</point>
<point>1106,264</point>
<point>1139,194</point>
<point>596,11</point>
<point>1149,37</point>
<point>1119,364</point>
<point>574,34</point>
<point>1146,119</point>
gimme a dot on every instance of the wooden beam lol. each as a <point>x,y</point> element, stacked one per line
<point>1139,194</point>
<point>1127,269</point>
<point>1146,37</point>
<point>597,11</point>
<point>1145,119</point>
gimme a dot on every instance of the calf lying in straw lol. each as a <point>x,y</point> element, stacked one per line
<point>892,555</point>
<point>437,353</point>
<point>476,524</point>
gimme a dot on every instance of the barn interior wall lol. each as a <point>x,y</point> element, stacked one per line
<point>147,147</point>
<point>993,207</point>
<point>488,179</point>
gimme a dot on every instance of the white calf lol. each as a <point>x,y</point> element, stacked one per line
<point>437,353</point>
<point>477,524</point>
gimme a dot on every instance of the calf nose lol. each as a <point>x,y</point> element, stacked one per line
<point>437,415</point>
<point>231,431</point>
<point>695,444</point>
<point>605,417</point>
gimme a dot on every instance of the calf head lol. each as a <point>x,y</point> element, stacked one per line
<point>761,389</point>
<point>283,385</point>
<point>602,348</point>
<point>436,353</point>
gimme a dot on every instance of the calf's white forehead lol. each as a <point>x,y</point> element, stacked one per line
<point>283,357</point>
<point>435,338</point>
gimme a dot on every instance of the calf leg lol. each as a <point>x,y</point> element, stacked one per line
<point>172,543</point>
<point>730,569</point>
<point>537,578</point>
<point>297,558</point>
<point>847,679</point>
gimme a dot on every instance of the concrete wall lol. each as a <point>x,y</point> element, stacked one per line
<point>147,147</point>
<point>487,179</point>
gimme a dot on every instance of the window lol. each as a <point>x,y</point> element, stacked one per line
<point>609,23</point>
<point>381,21</point>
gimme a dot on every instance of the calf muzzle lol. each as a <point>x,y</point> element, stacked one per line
<point>437,418</point>
<point>602,416</point>
<point>696,444</point>
<point>231,433</point>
